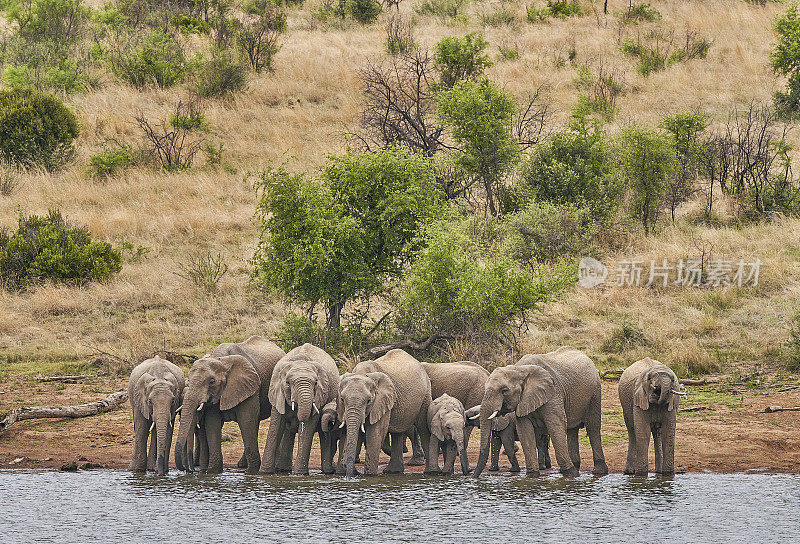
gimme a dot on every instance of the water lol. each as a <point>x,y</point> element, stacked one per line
<point>104,506</point>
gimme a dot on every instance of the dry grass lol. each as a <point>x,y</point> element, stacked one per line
<point>298,114</point>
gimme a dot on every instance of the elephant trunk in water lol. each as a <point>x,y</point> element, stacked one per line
<point>488,408</point>
<point>304,397</point>
<point>162,417</point>
<point>458,437</point>
<point>184,455</point>
<point>354,419</point>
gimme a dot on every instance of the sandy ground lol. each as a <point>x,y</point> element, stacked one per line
<point>731,434</point>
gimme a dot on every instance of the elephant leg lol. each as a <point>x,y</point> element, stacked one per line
<point>277,426</point>
<point>286,450</point>
<point>340,468</point>
<point>657,448</point>
<point>574,448</point>
<point>386,445</point>
<point>425,438</point>
<point>213,420</point>
<point>668,445</point>
<point>307,430</point>
<point>373,438</point>
<point>641,424</point>
<point>527,436</point>
<point>247,417</point>
<point>630,462</point>
<point>152,454</point>
<point>509,446</point>
<point>433,448</point>
<point>141,430</point>
<point>450,457</point>
<point>556,421</point>
<point>201,451</point>
<point>360,445</point>
<point>170,430</point>
<point>242,462</point>
<point>495,445</point>
<point>326,449</point>
<point>395,465</point>
<point>543,445</point>
<point>417,455</point>
<point>593,421</point>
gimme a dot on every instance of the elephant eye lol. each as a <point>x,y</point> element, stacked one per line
<point>212,381</point>
<point>504,390</point>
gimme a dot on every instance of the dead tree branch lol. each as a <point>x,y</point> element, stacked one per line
<point>82,410</point>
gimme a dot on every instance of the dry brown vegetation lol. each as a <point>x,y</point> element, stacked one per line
<point>299,114</point>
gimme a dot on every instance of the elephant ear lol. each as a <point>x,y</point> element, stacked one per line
<point>242,381</point>
<point>385,396</point>
<point>339,402</point>
<point>537,388</point>
<point>437,425</point>
<point>641,391</point>
<point>278,390</point>
<point>141,394</point>
<point>325,389</point>
<point>501,422</point>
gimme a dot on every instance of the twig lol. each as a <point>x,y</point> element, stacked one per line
<point>81,410</point>
<point>65,379</point>
<point>695,409</point>
<point>701,381</point>
<point>98,351</point>
<point>773,409</point>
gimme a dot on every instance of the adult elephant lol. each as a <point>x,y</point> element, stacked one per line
<point>230,384</point>
<point>390,394</point>
<point>303,382</point>
<point>650,393</point>
<point>504,433</point>
<point>559,390</point>
<point>155,391</point>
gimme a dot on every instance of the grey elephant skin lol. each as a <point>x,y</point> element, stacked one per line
<point>230,384</point>
<point>302,383</point>
<point>650,394</point>
<point>155,391</point>
<point>390,394</point>
<point>447,423</point>
<point>559,391</point>
<point>504,433</point>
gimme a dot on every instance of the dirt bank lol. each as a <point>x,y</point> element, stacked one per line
<point>730,434</point>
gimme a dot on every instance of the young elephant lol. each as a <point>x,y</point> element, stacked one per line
<point>447,423</point>
<point>155,391</point>
<point>650,393</point>
<point>304,380</point>
<point>390,394</point>
<point>559,391</point>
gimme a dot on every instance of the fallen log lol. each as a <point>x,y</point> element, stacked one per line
<point>64,379</point>
<point>701,381</point>
<point>695,409</point>
<point>405,344</point>
<point>611,374</point>
<point>81,410</point>
<point>773,409</point>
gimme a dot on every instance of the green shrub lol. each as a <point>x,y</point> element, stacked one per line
<point>627,336</point>
<point>641,12</point>
<point>657,53</point>
<point>36,129</point>
<point>48,248</point>
<point>188,118</point>
<point>546,233</point>
<point>460,59</point>
<point>573,167</point>
<point>191,25</point>
<point>154,59</point>
<point>107,163</point>
<point>554,8</point>
<point>785,60</point>
<point>363,11</point>
<point>508,53</point>
<point>220,75</point>
<point>399,35</point>
<point>440,8</point>
<point>793,345</point>
<point>257,39</point>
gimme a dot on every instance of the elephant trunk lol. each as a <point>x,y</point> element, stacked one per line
<point>304,397</point>
<point>354,419</point>
<point>458,437</point>
<point>184,454</point>
<point>487,409</point>
<point>666,391</point>
<point>163,419</point>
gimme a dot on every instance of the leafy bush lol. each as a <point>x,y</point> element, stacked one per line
<point>342,239</point>
<point>573,167</point>
<point>460,59</point>
<point>257,38</point>
<point>191,25</point>
<point>641,12</point>
<point>399,35</point>
<point>107,163</point>
<point>220,75</point>
<point>204,270</point>
<point>508,52</point>
<point>453,288</point>
<point>686,130</point>
<point>156,58</point>
<point>627,336</point>
<point>785,60</point>
<point>554,8</point>
<point>48,248</point>
<point>440,8</point>
<point>601,93</point>
<point>658,51</point>
<point>36,129</point>
<point>546,233</point>
<point>363,11</point>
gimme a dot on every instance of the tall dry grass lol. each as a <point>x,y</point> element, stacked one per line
<point>299,113</point>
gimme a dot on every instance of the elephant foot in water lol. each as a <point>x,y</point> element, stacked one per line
<point>514,467</point>
<point>242,462</point>
<point>416,462</point>
<point>494,468</point>
<point>600,469</point>
<point>570,472</point>
<point>393,468</point>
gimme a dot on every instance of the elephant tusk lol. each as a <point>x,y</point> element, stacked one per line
<point>362,429</point>
<point>476,416</point>
<point>179,408</point>
<point>494,414</point>
<point>315,407</point>
<point>198,426</point>
<point>681,393</point>
<point>151,426</point>
<point>342,425</point>
<point>293,405</point>
<point>201,406</point>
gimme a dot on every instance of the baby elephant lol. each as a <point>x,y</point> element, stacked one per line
<point>155,391</point>
<point>649,393</point>
<point>446,421</point>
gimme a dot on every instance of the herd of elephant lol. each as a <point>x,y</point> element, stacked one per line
<point>541,398</point>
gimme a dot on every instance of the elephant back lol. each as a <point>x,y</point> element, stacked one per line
<point>412,387</point>
<point>463,380</point>
<point>264,355</point>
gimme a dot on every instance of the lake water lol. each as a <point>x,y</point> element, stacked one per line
<point>106,505</point>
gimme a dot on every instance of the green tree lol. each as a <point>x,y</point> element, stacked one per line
<point>343,236</point>
<point>460,59</point>
<point>479,115</point>
<point>647,162</point>
<point>686,129</point>
<point>785,59</point>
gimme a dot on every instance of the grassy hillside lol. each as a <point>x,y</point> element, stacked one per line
<point>300,112</point>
